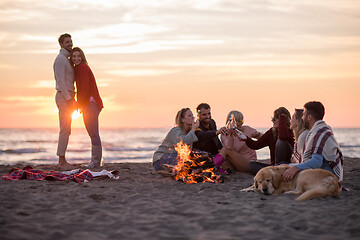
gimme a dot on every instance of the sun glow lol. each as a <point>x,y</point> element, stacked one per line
<point>76,114</point>
<point>152,46</point>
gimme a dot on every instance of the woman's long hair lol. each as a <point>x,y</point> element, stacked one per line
<point>181,114</point>
<point>277,113</point>
<point>301,124</point>
<point>83,58</point>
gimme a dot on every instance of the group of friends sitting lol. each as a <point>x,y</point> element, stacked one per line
<point>301,140</point>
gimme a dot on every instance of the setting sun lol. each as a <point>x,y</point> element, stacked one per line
<point>128,67</point>
<point>148,61</point>
<point>76,114</point>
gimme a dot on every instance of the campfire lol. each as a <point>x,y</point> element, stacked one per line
<point>193,167</point>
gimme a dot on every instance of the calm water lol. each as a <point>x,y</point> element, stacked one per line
<point>38,146</point>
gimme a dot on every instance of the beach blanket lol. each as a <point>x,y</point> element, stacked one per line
<point>321,140</point>
<point>76,175</point>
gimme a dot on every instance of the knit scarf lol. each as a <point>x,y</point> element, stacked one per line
<point>321,140</point>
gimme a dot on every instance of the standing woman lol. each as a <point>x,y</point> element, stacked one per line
<point>89,102</point>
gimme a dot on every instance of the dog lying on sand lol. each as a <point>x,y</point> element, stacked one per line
<point>310,183</point>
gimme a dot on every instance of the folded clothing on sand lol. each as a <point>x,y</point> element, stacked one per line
<point>77,175</point>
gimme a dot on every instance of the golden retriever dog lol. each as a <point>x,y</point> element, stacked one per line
<point>310,183</point>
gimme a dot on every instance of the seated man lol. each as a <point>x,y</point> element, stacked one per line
<point>207,132</point>
<point>321,147</point>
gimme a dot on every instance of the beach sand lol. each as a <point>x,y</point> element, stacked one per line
<point>145,205</point>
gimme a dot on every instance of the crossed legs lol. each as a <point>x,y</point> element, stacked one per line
<point>238,162</point>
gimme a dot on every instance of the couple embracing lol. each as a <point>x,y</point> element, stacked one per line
<point>71,66</point>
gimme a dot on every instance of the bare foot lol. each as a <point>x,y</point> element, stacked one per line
<point>64,165</point>
<point>227,166</point>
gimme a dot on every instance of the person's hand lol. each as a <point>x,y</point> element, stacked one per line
<point>289,173</point>
<point>222,130</point>
<point>293,159</point>
<point>242,139</point>
<point>255,134</point>
<point>228,132</point>
<point>195,125</point>
<point>231,132</point>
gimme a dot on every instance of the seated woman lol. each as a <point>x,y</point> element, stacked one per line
<point>232,142</point>
<point>279,139</point>
<point>184,131</point>
<point>297,124</point>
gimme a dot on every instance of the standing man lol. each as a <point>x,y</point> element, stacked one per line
<point>321,147</point>
<point>207,132</point>
<point>64,77</point>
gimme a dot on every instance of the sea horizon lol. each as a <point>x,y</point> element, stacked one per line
<point>36,146</point>
<point>163,127</point>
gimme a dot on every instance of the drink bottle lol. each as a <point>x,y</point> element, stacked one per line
<point>233,125</point>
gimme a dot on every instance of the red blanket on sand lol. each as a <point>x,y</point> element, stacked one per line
<point>33,174</point>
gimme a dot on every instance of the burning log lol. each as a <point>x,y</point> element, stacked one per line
<point>192,167</point>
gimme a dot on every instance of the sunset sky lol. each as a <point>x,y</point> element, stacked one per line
<point>152,58</point>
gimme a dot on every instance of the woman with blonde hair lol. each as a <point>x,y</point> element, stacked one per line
<point>297,124</point>
<point>279,139</point>
<point>235,149</point>
<point>234,143</point>
<point>183,131</point>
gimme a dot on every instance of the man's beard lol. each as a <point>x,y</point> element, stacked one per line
<point>206,121</point>
<point>307,124</point>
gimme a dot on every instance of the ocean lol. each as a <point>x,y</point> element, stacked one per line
<point>38,146</point>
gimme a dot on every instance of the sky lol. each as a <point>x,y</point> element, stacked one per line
<point>151,58</point>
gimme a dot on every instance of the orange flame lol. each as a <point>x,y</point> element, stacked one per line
<point>189,170</point>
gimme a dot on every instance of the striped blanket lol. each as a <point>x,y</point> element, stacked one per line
<point>321,140</point>
<point>77,175</point>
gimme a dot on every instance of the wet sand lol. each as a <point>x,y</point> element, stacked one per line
<point>145,205</point>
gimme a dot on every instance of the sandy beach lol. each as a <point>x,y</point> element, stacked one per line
<point>145,205</point>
